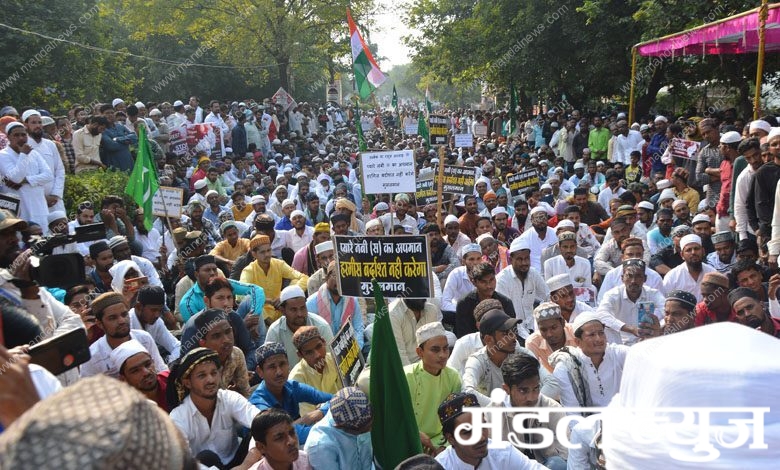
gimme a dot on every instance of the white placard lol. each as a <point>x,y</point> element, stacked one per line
<point>480,130</point>
<point>464,140</point>
<point>173,201</point>
<point>410,129</point>
<point>388,172</point>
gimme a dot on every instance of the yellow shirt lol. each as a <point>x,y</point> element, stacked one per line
<point>241,214</point>
<point>226,251</point>
<point>328,381</point>
<point>691,197</point>
<point>271,282</point>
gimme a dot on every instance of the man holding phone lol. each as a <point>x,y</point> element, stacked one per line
<point>111,314</point>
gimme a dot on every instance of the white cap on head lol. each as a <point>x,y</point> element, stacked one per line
<point>547,311</point>
<point>323,247</point>
<point>428,331</point>
<point>565,223</point>
<point>138,104</point>
<point>701,218</point>
<point>621,115</point>
<point>538,210</point>
<point>647,205</point>
<point>775,132</point>
<point>288,202</point>
<point>257,199</point>
<point>291,292</point>
<point>730,137</point>
<point>518,244</point>
<point>559,281</point>
<point>583,318</point>
<point>297,212</point>
<point>546,186</point>
<point>200,184</point>
<point>498,210</point>
<point>124,352</point>
<point>30,112</point>
<point>679,202</point>
<point>644,127</point>
<point>667,193</point>
<point>760,124</point>
<point>471,248</point>
<point>56,215</point>
<point>484,236</point>
<point>177,103</point>
<point>117,101</point>
<point>663,184</point>
<point>11,125</point>
<point>450,219</point>
<point>660,119</point>
<point>579,165</point>
<point>210,192</point>
<point>689,239</point>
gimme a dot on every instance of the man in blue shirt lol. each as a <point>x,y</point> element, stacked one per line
<point>115,142</point>
<point>275,391</point>
<point>343,438</point>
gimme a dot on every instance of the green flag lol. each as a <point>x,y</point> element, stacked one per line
<point>359,128</point>
<point>143,183</point>
<point>394,434</point>
<point>512,108</point>
<point>422,129</point>
<point>394,102</point>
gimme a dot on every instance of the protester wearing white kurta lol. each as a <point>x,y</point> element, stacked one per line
<point>48,150</point>
<point>680,278</point>
<point>160,333</point>
<point>614,278</point>
<point>538,244</point>
<point>618,310</point>
<point>33,170</point>
<point>523,294</point>
<point>457,286</point>
<point>603,382</point>
<point>499,455</point>
<point>580,272</point>
<point>741,192</point>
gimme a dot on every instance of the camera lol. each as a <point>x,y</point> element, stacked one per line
<point>63,270</point>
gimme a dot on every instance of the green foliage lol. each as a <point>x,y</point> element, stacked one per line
<point>93,186</point>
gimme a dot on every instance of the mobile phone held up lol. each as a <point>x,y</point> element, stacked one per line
<point>61,353</point>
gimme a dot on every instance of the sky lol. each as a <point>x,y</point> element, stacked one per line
<point>387,35</point>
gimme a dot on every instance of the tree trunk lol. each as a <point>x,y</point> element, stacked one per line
<point>284,73</point>
<point>644,102</point>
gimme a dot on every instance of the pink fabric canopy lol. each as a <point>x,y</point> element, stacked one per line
<point>734,35</point>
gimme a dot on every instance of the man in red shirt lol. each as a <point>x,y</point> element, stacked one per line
<point>137,369</point>
<point>714,306</point>
<point>729,143</point>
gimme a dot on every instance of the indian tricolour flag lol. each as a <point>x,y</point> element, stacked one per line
<point>368,77</point>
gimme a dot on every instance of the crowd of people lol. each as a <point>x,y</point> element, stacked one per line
<point>561,294</point>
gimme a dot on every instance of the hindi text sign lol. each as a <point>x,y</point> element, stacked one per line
<point>167,202</point>
<point>346,353</point>
<point>520,182</point>
<point>388,172</point>
<point>458,179</point>
<point>439,127</point>
<point>399,263</point>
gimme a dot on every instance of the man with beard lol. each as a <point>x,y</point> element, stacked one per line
<point>305,260</point>
<point>198,223</point>
<point>540,237</point>
<point>213,207</point>
<point>401,216</point>
<point>455,238</point>
<point>750,311</point>
<point>468,221</point>
<point>714,306</point>
<point>485,453</point>
<point>137,369</point>
<point>208,416</point>
<point>689,275</point>
<point>552,334</point>
<point>620,305</point>
<point>522,384</point>
<point>724,256</point>
<point>522,284</point>
<point>215,333</point>
<point>25,175</point>
<point>112,316</point>
<point>567,262</point>
<point>501,232</point>
<point>300,235</point>
<point>610,254</point>
<point>587,243</point>
<point>632,248</point>
<point>292,303</point>
<point>86,144</point>
<point>51,155</point>
<point>708,161</point>
<point>335,309</point>
<point>750,149</point>
<point>645,211</point>
<point>702,226</point>
<point>520,221</point>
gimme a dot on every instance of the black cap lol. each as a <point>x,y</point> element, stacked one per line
<point>747,244</point>
<point>151,295</point>
<point>496,320</point>
<point>203,260</point>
